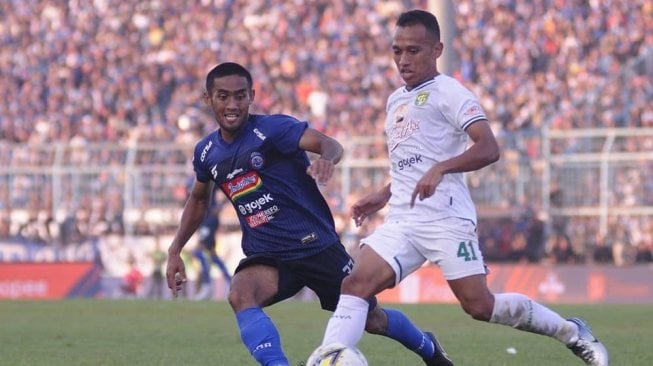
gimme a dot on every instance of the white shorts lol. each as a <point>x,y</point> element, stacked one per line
<point>450,243</point>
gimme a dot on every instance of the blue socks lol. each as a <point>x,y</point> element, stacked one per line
<point>401,329</point>
<point>261,337</point>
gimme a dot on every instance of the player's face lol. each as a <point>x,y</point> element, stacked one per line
<point>230,98</point>
<point>415,54</point>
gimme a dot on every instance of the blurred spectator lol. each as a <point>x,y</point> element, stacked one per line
<point>132,281</point>
<point>36,230</point>
<point>517,252</point>
<point>561,250</point>
<point>603,253</point>
<point>158,256</point>
<point>644,253</point>
<point>490,250</point>
<point>619,239</point>
<point>5,226</point>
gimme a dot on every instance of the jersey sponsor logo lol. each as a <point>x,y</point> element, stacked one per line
<point>205,150</point>
<point>234,173</point>
<point>256,204</point>
<point>309,238</point>
<point>256,160</point>
<point>214,171</point>
<point>408,162</point>
<point>402,128</point>
<point>260,134</point>
<point>242,185</point>
<point>473,110</point>
<point>262,217</point>
<point>421,98</point>
<point>401,132</point>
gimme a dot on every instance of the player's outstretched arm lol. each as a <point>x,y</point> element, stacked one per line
<point>330,152</point>
<point>194,212</point>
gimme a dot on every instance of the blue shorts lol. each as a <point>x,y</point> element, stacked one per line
<point>323,273</point>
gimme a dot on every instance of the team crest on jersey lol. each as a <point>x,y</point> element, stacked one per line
<point>256,160</point>
<point>421,98</point>
<point>242,185</point>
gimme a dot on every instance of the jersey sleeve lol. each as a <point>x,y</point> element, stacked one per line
<point>286,131</point>
<point>470,112</point>
<point>464,108</point>
<point>201,173</point>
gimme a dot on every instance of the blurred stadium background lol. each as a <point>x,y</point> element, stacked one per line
<point>100,107</point>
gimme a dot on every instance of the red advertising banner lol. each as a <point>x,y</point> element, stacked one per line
<point>547,284</point>
<point>49,280</point>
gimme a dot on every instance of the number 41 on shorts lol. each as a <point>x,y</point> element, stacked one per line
<point>466,250</point>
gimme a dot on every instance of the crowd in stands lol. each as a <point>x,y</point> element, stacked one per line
<point>114,73</point>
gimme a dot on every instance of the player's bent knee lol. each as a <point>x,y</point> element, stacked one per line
<point>240,300</point>
<point>352,285</point>
<point>365,284</point>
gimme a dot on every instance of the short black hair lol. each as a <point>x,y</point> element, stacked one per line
<point>428,20</point>
<point>226,69</point>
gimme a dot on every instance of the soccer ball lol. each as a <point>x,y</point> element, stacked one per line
<point>336,354</point>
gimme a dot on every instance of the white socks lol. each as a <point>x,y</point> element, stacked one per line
<point>347,323</point>
<point>520,312</point>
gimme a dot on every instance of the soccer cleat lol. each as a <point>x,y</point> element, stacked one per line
<point>587,347</point>
<point>440,356</point>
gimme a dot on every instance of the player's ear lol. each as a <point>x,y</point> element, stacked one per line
<point>252,93</point>
<point>206,98</point>
<point>439,47</point>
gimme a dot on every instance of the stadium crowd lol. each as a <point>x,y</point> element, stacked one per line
<point>112,73</point>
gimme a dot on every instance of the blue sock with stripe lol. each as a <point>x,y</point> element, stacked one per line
<point>261,337</point>
<point>401,329</point>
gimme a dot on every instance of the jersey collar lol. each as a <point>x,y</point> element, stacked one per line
<point>422,85</point>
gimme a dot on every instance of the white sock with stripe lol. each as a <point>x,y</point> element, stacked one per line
<point>520,312</point>
<point>347,323</point>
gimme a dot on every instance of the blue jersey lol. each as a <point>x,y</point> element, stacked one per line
<point>263,173</point>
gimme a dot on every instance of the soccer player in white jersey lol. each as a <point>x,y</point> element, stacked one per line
<point>431,215</point>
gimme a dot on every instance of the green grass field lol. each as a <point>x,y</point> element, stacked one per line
<point>140,332</point>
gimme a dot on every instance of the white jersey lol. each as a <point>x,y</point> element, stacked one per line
<point>423,126</point>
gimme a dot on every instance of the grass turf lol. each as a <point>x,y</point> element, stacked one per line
<point>143,332</point>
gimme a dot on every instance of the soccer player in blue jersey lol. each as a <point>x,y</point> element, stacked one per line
<point>288,233</point>
<point>429,122</point>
